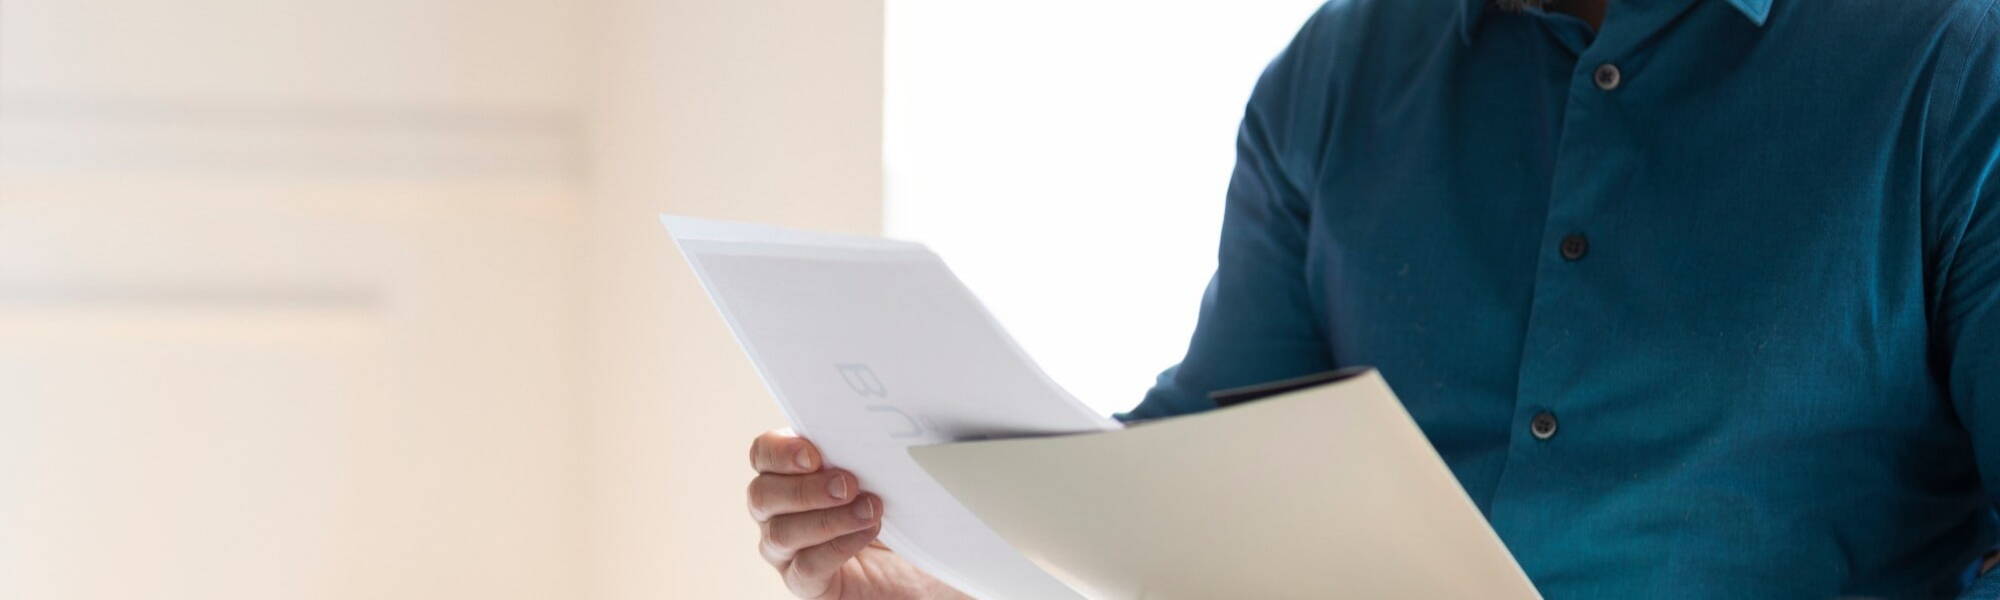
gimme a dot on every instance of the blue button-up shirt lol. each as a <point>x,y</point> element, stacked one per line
<point>1771,351</point>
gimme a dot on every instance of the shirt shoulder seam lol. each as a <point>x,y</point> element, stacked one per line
<point>1947,106</point>
<point>1963,75</point>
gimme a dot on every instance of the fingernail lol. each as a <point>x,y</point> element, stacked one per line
<point>837,487</point>
<point>865,509</point>
<point>804,459</point>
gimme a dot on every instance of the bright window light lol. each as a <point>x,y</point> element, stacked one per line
<point>1068,159</point>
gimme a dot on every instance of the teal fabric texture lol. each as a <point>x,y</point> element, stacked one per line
<point>1701,304</point>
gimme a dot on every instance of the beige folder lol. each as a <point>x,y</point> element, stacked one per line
<point>1326,492</point>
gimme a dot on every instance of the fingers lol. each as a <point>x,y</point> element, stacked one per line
<point>812,569</point>
<point>781,452</point>
<point>787,535</point>
<point>773,495</point>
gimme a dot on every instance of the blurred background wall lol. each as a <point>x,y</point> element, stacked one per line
<point>365,298</point>
<point>766,111</point>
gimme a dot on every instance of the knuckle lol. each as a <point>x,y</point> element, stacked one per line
<point>828,522</point>
<point>764,451</point>
<point>756,502</point>
<point>778,542</point>
<point>808,565</point>
<point>771,496</point>
<point>854,543</point>
<point>802,583</point>
<point>786,535</point>
<point>802,494</point>
<point>774,556</point>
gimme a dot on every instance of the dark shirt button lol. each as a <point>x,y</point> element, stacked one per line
<point>1574,246</point>
<point>1607,77</point>
<point>1543,426</point>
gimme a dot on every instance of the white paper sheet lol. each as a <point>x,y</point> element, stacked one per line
<point>1326,492</point>
<point>872,346</point>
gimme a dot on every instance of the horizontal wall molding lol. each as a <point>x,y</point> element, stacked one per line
<point>74,295</point>
<point>286,138</point>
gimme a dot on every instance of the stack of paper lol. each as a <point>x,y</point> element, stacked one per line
<point>877,352</point>
<point>1325,492</point>
<point>872,346</point>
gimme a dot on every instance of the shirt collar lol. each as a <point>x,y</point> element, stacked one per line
<point>1469,12</point>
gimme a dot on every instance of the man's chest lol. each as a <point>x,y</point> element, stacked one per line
<point>1620,248</point>
<point>1666,314</point>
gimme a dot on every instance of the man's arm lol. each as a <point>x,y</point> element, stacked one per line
<point>1963,214</point>
<point>1257,320</point>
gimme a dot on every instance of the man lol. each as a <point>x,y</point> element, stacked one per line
<point>1698,298</point>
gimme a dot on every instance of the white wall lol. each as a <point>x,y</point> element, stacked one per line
<point>1069,160</point>
<point>365,298</point>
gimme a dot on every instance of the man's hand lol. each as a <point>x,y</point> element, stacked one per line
<point>819,527</point>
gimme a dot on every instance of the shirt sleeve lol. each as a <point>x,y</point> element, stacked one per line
<point>1964,194</point>
<point>1257,321</point>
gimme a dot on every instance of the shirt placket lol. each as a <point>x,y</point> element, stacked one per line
<point>1551,428</point>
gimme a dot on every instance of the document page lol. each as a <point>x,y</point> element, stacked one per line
<point>1325,492</point>
<point>872,346</point>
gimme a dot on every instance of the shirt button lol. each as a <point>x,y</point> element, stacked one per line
<point>1574,246</point>
<point>1606,77</point>
<point>1543,426</point>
